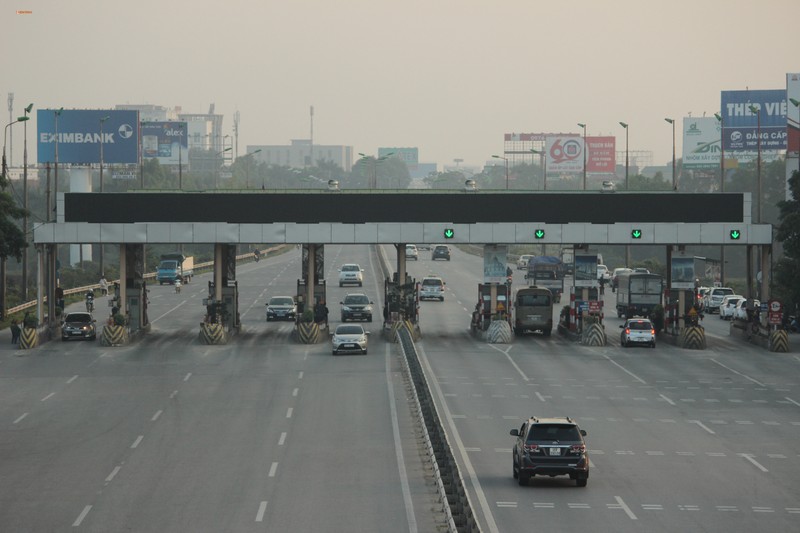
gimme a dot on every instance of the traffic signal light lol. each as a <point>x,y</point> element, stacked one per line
<point>636,234</point>
<point>736,234</point>
<point>539,234</point>
<point>449,233</point>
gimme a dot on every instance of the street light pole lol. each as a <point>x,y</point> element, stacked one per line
<point>721,189</point>
<point>625,125</point>
<point>180,156</point>
<point>4,174</point>
<point>674,182</point>
<point>102,143</point>
<point>543,165</point>
<point>247,168</point>
<point>796,103</point>
<point>25,205</point>
<point>582,125</point>
<point>57,114</point>
<point>757,111</point>
<point>506,160</point>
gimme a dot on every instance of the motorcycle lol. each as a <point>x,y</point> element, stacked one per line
<point>89,303</point>
<point>177,286</point>
<point>256,256</point>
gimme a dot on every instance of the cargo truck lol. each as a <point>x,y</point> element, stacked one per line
<point>547,271</point>
<point>173,267</point>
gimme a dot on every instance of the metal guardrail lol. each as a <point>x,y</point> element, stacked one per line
<point>149,275</point>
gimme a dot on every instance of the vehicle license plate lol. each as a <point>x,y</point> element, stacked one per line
<point>535,317</point>
<point>349,345</point>
<point>555,451</point>
<point>356,314</point>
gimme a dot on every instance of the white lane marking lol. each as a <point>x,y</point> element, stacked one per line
<point>289,412</point>
<point>168,312</point>
<point>113,473</point>
<point>491,525</point>
<point>21,418</point>
<point>625,508</point>
<point>73,378</point>
<point>702,426</point>
<point>738,373</point>
<point>260,514</point>
<point>137,441</point>
<point>300,375</point>
<point>398,447</point>
<point>155,416</point>
<point>81,516</point>
<point>295,391</point>
<point>507,505</point>
<point>505,352</point>
<point>749,457</point>
<point>794,402</point>
<point>48,396</point>
<point>282,440</point>
<point>667,399</point>
<point>539,395</point>
<point>187,376</point>
<point>273,469</point>
<point>174,393</point>
<point>634,376</point>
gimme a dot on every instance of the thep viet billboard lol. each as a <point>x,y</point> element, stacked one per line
<point>701,143</point>
<point>165,141</point>
<point>601,155</point>
<point>564,153</point>
<point>79,136</point>
<point>740,122</point>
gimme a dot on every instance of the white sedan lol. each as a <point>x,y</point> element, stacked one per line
<point>728,306</point>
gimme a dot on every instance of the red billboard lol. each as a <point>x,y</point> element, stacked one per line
<point>601,155</point>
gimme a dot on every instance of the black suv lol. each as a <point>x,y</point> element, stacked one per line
<point>440,252</point>
<point>550,447</point>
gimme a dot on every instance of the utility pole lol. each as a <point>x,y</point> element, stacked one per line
<point>11,136</point>
<point>311,149</point>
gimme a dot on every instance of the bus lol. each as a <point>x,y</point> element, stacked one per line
<point>533,311</point>
<point>638,293</point>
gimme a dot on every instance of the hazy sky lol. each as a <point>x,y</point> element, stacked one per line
<point>447,76</point>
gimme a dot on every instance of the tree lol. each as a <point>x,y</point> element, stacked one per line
<point>12,239</point>
<point>786,272</point>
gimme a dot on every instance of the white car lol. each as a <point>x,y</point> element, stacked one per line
<point>603,273</point>
<point>351,274</point>
<point>608,186</point>
<point>727,309</point>
<point>431,288</point>
<point>740,313</point>
<point>411,252</point>
<point>715,296</point>
<point>522,262</point>
<point>349,338</point>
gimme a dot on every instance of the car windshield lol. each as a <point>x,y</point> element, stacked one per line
<point>281,301</point>
<point>356,299</point>
<point>79,317</point>
<point>640,324</point>
<point>722,292</point>
<point>350,268</point>
<point>432,282</point>
<point>533,300</point>
<point>554,433</point>
<point>349,330</point>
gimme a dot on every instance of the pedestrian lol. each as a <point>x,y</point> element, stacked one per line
<point>60,297</point>
<point>15,331</point>
<point>103,285</point>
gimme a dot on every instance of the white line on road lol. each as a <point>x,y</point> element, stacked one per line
<point>738,373</point>
<point>73,378</point>
<point>300,375</point>
<point>755,463</point>
<point>505,352</point>
<point>790,400</point>
<point>48,396</point>
<point>539,395</point>
<point>187,376</point>
<point>295,391</point>
<point>137,441</point>
<point>282,440</point>
<point>273,469</point>
<point>113,473</point>
<point>21,418</point>
<point>155,416</point>
<point>625,508</point>
<point>289,412</point>
<point>702,426</point>
<point>174,393</point>
<point>168,312</point>
<point>82,516</point>
<point>260,514</point>
<point>637,378</point>
<point>667,399</point>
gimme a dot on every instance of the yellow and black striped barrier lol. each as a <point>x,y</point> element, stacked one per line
<point>693,338</point>
<point>115,335</point>
<point>594,336</point>
<point>28,338</point>
<point>308,332</point>
<point>779,341</point>
<point>212,333</point>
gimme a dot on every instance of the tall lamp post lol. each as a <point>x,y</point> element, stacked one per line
<point>796,103</point>
<point>57,114</point>
<point>180,155</point>
<point>674,182</point>
<point>506,160</point>
<point>625,125</point>
<point>247,168</point>
<point>102,143</point>
<point>757,111</point>
<point>721,189</point>
<point>219,170</point>
<point>4,172</point>
<point>582,125</point>
<point>375,160</point>
<point>543,165</point>
<point>25,204</point>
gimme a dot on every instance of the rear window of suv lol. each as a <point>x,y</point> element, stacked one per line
<point>721,292</point>
<point>553,432</point>
<point>432,282</point>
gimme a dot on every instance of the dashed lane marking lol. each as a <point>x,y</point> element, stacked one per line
<point>262,507</point>
<point>81,516</point>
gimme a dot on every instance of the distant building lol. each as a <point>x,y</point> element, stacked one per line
<point>409,156</point>
<point>301,153</point>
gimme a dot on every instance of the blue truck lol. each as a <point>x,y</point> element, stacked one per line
<point>173,267</point>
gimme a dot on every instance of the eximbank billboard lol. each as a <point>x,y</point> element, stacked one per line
<point>79,136</point>
<point>741,123</point>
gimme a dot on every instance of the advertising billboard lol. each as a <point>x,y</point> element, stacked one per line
<point>79,136</point>
<point>740,123</point>
<point>701,143</point>
<point>601,155</point>
<point>564,153</point>
<point>165,141</point>
<point>682,273</point>
<point>585,270</point>
<point>495,263</point>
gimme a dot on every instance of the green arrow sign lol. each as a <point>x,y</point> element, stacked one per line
<point>735,234</point>
<point>449,233</point>
<point>636,234</point>
<point>539,234</point>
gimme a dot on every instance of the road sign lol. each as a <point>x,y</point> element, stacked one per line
<point>594,306</point>
<point>539,234</point>
<point>775,318</point>
<point>582,305</point>
<point>775,306</point>
<point>449,233</point>
<point>636,234</point>
<point>736,234</point>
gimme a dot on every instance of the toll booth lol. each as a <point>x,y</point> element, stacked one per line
<point>493,304</point>
<point>320,290</point>
<point>401,300</point>
<point>585,305</point>
<point>224,311</point>
<point>135,293</point>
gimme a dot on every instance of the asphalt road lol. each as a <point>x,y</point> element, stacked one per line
<point>265,434</point>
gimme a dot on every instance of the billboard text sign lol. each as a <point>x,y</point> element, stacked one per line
<point>165,141</point>
<point>740,123</point>
<point>601,155</point>
<point>564,153</point>
<point>79,136</point>
<point>495,263</point>
<point>701,143</point>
